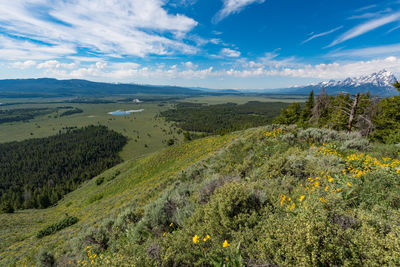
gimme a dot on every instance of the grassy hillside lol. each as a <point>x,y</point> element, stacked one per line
<point>130,183</point>
<point>265,196</point>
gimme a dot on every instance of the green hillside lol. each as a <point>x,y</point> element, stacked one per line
<point>265,196</point>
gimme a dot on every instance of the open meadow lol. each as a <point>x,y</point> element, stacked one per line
<point>146,134</point>
<point>146,131</point>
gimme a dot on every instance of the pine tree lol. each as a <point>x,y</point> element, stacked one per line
<point>290,115</point>
<point>307,111</point>
<point>387,120</point>
<point>397,85</point>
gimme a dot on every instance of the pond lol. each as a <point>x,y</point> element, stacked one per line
<point>121,112</point>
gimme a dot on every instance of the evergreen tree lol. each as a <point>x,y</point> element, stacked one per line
<point>320,112</point>
<point>290,115</point>
<point>387,120</point>
<point>307,111</point>
<point>36,173</point>
<point>339,110</point>
<point>7,207</point>
<point>397,85</point>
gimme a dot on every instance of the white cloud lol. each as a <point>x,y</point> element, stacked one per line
<point>233,7</point>
<point>340,71</point>
<point>11,49</point>
<point>24,65</point>
<point>215,41</point>
<point>227,52</point>
<point>271,60</point>
<point>393,29</point>
<point>267,66</point>
<point>313,36</point>
<point>365,8</point>
<point>84,59</point>
<point>190,65</point>
<point>54,64</point>
<point>125,65</point>
<point>111,27</point>
<point>322,71</point>
<point>385,50</point>
<point>365,27</point>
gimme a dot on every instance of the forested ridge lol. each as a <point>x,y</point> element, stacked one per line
<point>23,114</point>
<point>26,114</point>
<point>222,118</point>
<point>36,173</point>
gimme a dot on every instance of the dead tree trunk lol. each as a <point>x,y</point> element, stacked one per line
<point>353,112</point>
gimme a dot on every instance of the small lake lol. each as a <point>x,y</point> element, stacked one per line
<point>121,112</point>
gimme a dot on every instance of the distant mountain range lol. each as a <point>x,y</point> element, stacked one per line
<point>45,87</point>
<point>379,83</point>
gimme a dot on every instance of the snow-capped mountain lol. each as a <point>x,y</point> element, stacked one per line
<point>379,83</point>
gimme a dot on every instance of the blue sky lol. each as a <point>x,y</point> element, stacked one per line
<point>244,44</point>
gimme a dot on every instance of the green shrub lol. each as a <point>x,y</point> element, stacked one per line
<point>357,144</point>
<point>98,238</point>
<point>7,207</point>
<point>99,180</point>
<point>113,176</point>
<point>130,216</point>
<point>51,229</point>
<point>320,136</point>
<point>385,150</point>
<point>94,198</point>
<point>208,187</point>
<point>45,259</point>
<point>233,209</point>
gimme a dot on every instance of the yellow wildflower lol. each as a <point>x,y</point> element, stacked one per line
<point>206,238</point>
<point>196,239</point>
<point>323,199</point>
<point>226,244</point>
<point>301,198</point>
<point>283,199</point>
<point>348,184</point>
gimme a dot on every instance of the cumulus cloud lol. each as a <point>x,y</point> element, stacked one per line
<point>227,52</point>
<point>190,65</point>
<point>286,68</point>
<point>110,27</point>
<point>54,64</point>
<point>233,7</point>
<point>322,71</point>
<point>23,65</point>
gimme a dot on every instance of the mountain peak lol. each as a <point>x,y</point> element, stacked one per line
<point>378,83</point>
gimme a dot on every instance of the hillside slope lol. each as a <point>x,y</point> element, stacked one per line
<point>265,196</point>
<point>130,182</point>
